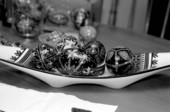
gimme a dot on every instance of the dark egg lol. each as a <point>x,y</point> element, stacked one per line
<point>86,61</point>
<point>119,61</point>
<point>96,51</point>
<point>81,18</point>
<point>42,58</point>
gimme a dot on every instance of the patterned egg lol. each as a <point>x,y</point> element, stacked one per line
<point>96,51</point>
<point>86,61</point>
<point>88,33</point>
<point>68,42</point>
<point>119,61</point>
<point>56,36</point>
<point>42,58</point>
<point>81,18</point>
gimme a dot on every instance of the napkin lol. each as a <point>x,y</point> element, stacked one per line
<point>14,99</point>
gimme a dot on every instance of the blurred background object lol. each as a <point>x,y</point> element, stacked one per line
<point>28,16</point>
<point>128,14</point>
<point>158,21</point>
<point>68,7</point>
<point>6,12</point>
<point>144,16</point>
<point>62,8</point>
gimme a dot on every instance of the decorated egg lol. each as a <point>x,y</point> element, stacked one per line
<point>42,58</point>
<point>86,61</point>
<point>68,42</point>
<point>56,36</point>
<point>81,18</point>
<point>88,33</point>
<point>119,61</point>
<point>60,39</point>
<point>96,51</point>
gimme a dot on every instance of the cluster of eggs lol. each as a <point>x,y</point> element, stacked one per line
<point>73,57</point>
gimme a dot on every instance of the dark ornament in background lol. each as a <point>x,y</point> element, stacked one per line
<point>119,61</point>
<point>80,62</point>
<point>81,17</point>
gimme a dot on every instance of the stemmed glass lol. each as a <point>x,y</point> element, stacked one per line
<point>28,16</point>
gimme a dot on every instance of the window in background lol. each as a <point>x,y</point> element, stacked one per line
<point>159,21</point>
<point>129,14</point>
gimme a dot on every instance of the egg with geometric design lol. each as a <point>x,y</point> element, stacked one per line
<point>42,58</point>
<point>96,51</point>
<point>119,61</point>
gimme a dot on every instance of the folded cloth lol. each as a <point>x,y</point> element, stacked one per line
<point>14,99</point>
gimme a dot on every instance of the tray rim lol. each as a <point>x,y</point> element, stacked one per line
<point>88,77</point>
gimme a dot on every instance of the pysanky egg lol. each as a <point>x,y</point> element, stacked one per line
<point>81,18</point>
<point>96,51</point>
<point>56,36</point>
<point>68,42</point>
<point>86,61</point>
<point>119,61</point>
<point>88,33</point>
<point>42,58</point>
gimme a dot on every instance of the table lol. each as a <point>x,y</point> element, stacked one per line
<point>148,95</point>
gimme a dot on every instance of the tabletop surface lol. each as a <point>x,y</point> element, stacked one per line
<point>151,94</point>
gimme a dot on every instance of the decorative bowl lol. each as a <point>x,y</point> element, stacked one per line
<point>58,19</point>
<point>147,64</point>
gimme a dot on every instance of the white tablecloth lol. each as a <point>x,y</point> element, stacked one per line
<point>14,99</point>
